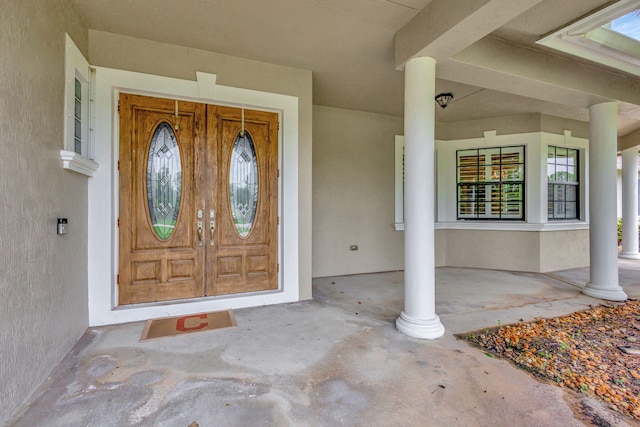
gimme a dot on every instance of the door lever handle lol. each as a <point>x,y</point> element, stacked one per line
<point>212,229</point>
<point>199,233</point>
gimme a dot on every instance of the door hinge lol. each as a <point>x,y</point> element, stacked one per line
<point>278,125</point>
<point>278,268</point>
<point>278,220</point>
<point>118,279</point>
<point>278,173</point>
<point>118,106</point>
<point>118,222</point>
<point>118,164</point>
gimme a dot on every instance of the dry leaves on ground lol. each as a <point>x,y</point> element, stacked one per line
<point>588,351</point>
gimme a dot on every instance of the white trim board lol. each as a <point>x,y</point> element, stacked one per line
<point>512,226</point>
<point>103,194</point>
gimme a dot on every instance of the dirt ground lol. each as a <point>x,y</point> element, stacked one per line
<point>594,352</point>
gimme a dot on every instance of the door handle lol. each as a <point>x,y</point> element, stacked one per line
<point>199,233</point>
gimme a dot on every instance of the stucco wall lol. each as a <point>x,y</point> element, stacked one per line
<point>500,250</point>
<point>132,54</point>
<point>353,192</point>
<point>533,251</point>
<point>441,248</point>
<point>43,278</point>
<point>508,125</point>
<point>561,250</point>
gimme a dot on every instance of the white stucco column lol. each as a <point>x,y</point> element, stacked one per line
<point>603,234</point>
<point>630,204</point>
<point>419,318</point>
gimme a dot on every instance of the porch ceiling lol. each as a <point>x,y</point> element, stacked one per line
<point>349,46</point>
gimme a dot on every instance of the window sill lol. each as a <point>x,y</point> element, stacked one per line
<point>77,163</point>
<point>505,226</point>
<point>512,226</point>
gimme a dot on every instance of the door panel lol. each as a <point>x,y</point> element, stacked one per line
<point>153,269</point>
<point>249,263</point>
<point>198,251</point>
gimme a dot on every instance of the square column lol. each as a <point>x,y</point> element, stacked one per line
<point>419,319</point>
<point>630,204</point>
<point>603,230</point>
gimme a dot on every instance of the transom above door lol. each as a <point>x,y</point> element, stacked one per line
<point>198,200</point>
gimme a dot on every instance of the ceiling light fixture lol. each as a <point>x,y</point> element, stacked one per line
<point>444,99</point>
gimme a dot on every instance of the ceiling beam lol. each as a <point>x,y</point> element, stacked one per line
<point>629,141</point>
<point>495,64</point>
<point>444,27</point>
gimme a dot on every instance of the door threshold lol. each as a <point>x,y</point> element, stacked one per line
<point>196,300</point>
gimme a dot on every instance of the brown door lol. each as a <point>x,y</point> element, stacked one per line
<point>244,195</point>
<point>198,200</point>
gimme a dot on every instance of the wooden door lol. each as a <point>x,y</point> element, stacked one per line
<point>243,192</point>
<point>179,203</point>
<point>159,253</point>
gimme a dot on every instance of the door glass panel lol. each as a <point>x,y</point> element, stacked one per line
<point>164,181</point>
<point>243,184</point>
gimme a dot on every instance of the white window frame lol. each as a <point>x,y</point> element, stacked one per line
<point>399,183</point>
<point>77,68</point>
<point>577,184</point>
<point>489,169</point>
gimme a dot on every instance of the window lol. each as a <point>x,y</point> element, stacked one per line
<point>563,183</point>
<point>627,25</point>
<point>609,36</point>
<point>491,183</point>
<point>76,153</point>
<point>77,115</point>
<point>399,183</point>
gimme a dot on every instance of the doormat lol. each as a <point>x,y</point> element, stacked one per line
<point>179,325</point>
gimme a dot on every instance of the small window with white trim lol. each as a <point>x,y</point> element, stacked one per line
<point>77,150</point>
<point>563,186</point>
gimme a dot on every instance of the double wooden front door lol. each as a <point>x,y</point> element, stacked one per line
<point>198,200</point>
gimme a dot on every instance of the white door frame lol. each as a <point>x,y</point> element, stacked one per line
<point>102,245</point>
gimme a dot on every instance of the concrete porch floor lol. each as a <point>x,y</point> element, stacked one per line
<point>335,360</point>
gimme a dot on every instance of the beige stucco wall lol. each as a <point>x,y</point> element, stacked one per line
<point>561,250</point>
<point>132,54</point>
<point>441,248</point>
<point>353,192</point>
<point>532,251</point>
<point>353,202</point>
<point>43,277</point>
<point>500,250</point>
<point>510,125</point>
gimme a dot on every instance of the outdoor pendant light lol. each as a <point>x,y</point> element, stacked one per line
<point>443,99</point>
